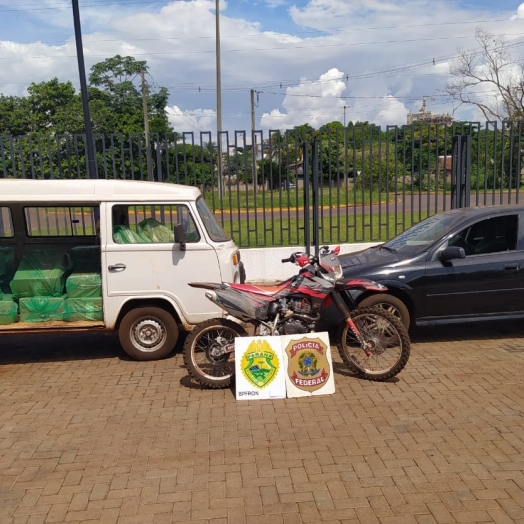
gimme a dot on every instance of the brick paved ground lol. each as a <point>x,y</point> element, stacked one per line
<point>89,436</point>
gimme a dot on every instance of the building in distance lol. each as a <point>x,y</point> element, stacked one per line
<point>428,116</point>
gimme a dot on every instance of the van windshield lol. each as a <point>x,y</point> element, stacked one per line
<point>213,228</point>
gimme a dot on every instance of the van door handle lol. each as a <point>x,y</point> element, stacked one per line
<point>117,267</point>
<point>512,267</point>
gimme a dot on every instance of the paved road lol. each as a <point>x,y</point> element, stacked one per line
<point>424,203</point>
<point>88,436</point>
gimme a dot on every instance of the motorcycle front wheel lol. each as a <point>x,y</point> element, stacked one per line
<point>206,354</point>
<point>386,344</point>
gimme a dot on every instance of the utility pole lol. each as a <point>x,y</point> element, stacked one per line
<point>345,152</point>
<point>90,149</point>
<point>219,97</point>
<point>255,147</point>
<point>145,89</point>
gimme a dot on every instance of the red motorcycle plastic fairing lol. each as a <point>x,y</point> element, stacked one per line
<point>303,261</point>
<point>361,283</point>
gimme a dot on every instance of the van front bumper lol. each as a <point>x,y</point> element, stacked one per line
<point>242,272</point>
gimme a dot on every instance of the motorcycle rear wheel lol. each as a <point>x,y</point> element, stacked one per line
<point>388,339</point>
<point>203,355</point>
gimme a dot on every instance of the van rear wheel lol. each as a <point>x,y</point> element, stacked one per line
<point>148,333</point>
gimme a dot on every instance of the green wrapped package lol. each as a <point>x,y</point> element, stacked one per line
<point>38,283</point>
<point>7,263</point>
<point>40,274</point>
<point>152,230</point>
<point>124,235</point>
<point>86,259</point>
<point>8,312</point>
<point>76,309</point>
<point>84,285</point>
<point>41,309</point>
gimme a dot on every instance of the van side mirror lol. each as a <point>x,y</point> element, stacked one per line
<point>180,236</point>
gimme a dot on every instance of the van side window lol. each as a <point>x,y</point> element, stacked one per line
<point>60,221</point>
<point>6,223</point>
<point>155,223</point>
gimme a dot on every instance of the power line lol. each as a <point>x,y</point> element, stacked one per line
<point>251,50</point>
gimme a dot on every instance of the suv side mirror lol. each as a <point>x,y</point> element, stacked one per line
<point>180,236</point>
<point>452,252</point>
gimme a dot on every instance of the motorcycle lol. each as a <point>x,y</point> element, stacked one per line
<point>372,342</point>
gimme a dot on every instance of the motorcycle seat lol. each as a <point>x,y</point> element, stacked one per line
<point>261,290</point>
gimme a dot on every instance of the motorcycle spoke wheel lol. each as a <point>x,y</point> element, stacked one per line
<point>204,354</point>
<point>387,345</point>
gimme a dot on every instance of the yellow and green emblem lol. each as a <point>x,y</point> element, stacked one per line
<point>260,363</point>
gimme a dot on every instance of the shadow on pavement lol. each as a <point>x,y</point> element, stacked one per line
<point>88,346</point>
<point>17,349</point>
<point>473,331</point>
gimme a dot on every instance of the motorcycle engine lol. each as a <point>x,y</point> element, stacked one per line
<point>300,305</point>
<point>293,327</point>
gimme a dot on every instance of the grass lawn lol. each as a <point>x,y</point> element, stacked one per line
<point>276,232</point>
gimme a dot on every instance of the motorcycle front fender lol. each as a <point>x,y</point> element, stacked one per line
<point>363,284</point>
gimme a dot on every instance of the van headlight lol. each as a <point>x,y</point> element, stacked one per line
<point>235,258</point>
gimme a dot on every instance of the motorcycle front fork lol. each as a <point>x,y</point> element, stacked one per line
<point>344,310</point>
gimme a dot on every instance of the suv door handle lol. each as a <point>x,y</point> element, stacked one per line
<point>512,267</point>
<point>117,267</point>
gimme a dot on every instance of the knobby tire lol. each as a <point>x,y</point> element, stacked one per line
<point>389,339</point>
<point>214,373</point>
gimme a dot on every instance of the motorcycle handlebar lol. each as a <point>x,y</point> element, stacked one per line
<point>293,258</point>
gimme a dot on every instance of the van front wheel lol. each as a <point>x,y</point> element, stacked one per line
<point>148,333</point>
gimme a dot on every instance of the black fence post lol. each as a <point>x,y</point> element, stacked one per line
<point>461,171</point>
<point>316,221</point>
<point>307,238</point>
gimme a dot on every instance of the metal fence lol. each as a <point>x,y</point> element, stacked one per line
<point>372,182</point>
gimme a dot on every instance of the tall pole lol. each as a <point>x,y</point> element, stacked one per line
<point>345,152</point>
<point>254,137</point>
<point>219,98</point>
<point>90,149</point>
<point>146,126</point>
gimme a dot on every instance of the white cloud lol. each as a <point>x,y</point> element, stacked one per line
<point>393,111</point>
<point>314,102</point>
<point>385,48</point>
<point>194,120</point>
<point>520,13</point>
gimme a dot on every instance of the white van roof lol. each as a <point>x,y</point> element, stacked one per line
<point>91,190</point>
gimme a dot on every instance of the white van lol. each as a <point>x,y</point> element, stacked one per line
<point>110,255</point>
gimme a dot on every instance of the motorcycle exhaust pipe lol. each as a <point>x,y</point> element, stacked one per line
<point>213,297</point>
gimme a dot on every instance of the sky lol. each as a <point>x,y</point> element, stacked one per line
<point>307,61</point>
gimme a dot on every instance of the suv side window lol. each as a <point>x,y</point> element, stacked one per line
<point>491,235</point>
<point>154,223</point>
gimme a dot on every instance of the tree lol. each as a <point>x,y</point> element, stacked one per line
<point>14,115</point>
<point>120,78</point>
<point>490,79</point>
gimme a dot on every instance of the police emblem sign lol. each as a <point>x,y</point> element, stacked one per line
<point>259,368</point>
<point>309,365</point>
<point>289,365</point>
